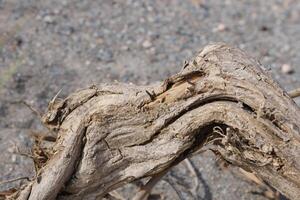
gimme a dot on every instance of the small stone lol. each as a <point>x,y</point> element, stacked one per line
<point>151,19</point>
<point>14,158</point>
<point>93,45</point>
<point>142,20</point>
<point>64,3</point>
<point>56,11</point>
<point>87,62</point>
<point>264,28</point>
<point>125,48</point>
<point>152,50</point>
<point>49,19</point>
<point>105,55</point>
<point>68,30</point>
<point>147,44</point>
<point>287,69</point>
<point>220,28</point>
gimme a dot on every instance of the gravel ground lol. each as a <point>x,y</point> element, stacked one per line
<point>52,44</point>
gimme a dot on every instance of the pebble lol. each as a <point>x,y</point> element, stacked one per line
<point>147,44</point>
<point>125,48</point>
<point>49,19</point>
<point>14,158</point>
<point>105,55</point>
<point>87,62</point>
<point>287,69</point>
<point>67,30</point>
<point>220,28</point>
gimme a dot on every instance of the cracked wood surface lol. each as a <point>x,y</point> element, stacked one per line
<point>110,135</point>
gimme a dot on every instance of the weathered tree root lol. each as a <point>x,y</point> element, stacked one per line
<point>110,135</point>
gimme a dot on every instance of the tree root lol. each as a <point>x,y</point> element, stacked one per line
<point>111,135</point>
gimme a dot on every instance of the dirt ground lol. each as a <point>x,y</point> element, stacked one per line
<point>50,45</point>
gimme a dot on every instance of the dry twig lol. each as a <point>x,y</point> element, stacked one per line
<point>294,93</point>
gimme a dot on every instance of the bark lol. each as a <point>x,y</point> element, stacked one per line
<point>110,135</point>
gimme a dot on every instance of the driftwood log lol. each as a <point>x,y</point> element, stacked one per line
<point>223,100</point>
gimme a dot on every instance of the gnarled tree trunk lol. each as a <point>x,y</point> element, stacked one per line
<point>112,134</point>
